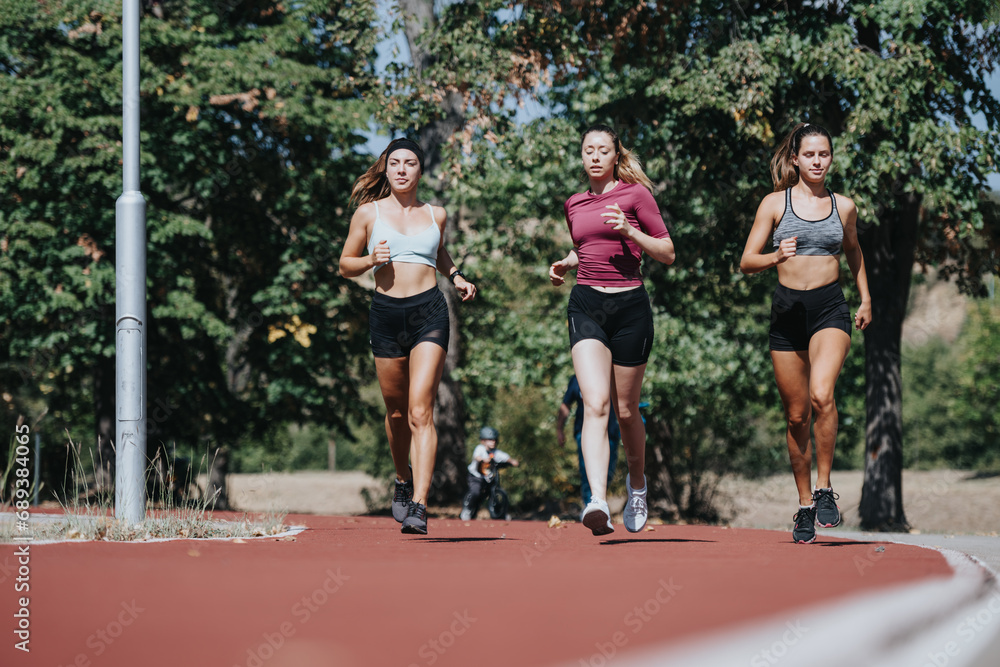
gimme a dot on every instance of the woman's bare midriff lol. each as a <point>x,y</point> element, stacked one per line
<point>805,272</point>
<point>400,280</point>
<point>614,290</point>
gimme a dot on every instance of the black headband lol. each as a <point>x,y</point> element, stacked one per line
<point>407,144</point>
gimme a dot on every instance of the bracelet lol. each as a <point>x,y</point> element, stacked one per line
<point>456,273</point>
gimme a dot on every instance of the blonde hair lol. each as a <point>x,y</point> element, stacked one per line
<point>629,167</point>
<point>373,184</point>
<point>784,173</point>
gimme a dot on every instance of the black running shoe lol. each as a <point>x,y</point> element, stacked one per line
<point>804,531</point>
<point>401,500</point>
<point>416,520</point>
<point>827,512</point>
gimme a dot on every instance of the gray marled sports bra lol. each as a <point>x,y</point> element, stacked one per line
<point>815,237</point>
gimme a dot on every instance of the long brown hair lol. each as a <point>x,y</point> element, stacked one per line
<point>784,173</point>
<point>373,184</point>
<point>629,168</point>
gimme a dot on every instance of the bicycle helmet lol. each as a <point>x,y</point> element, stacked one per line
<point>488,433</point>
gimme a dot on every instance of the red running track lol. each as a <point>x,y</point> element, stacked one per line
<point>353,591</point>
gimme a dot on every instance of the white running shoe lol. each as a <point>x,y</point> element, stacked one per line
<point>597,517</point>
<point>635,513</point>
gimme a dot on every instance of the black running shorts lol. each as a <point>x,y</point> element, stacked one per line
<point>623,321</point>
<point>798,314</point>
<point>398,324</point>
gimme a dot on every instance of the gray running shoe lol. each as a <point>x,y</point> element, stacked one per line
<point>827,512</point>
<point>401,500</point>
<point>804,531</point>
<point>635,514</point>
<point>416,520</point>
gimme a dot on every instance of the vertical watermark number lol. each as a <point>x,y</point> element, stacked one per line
<point>22,540</point>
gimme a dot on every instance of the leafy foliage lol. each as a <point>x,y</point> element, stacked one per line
<point>254,113</point>
<point>251,116</point>
<point>951,417</point>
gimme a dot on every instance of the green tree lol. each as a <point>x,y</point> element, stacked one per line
<point>935,431</point>
<point>252,115</point>
<point>952,390</point>
<point>705,92</point>
<point>467,62</point>
<point>980,387</point>
<point>434,128</point>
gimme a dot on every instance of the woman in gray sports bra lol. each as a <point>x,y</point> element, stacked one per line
<point>810,333</point>
<point>400,240</point>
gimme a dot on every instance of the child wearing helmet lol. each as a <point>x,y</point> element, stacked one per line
<point>485,452</point>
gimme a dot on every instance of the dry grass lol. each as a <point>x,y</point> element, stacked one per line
<point>89,515</point>
<point>95,524</point>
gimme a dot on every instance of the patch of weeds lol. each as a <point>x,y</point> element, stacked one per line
<point>88,513</point>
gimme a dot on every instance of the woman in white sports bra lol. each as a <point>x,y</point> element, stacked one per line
<point>400,239</point>
<point>810,321</point>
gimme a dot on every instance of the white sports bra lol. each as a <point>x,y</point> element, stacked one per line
<point>419,248</point>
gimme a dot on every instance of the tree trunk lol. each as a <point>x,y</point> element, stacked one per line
<point>448,484</point>
<point>418,18</point>
<point>217,491</point>
<point>659,477</point>
<point>889,250</point>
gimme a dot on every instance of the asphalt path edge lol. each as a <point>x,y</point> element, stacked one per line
<point>942,622</point>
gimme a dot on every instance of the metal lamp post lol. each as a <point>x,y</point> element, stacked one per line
<point>130,293</point>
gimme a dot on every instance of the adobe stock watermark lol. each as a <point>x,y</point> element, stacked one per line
<point>102,638</point>
<point>862,563</point>
<point>432,650</point>
<point>634,621</point>
<point>773,654</point>
<point>608,308</point>
<point>8,569</point>
<point>21,491</point>
<point>302,611</point>
<point>542,541</point>
<point>258,483</point>
<point>968,628</point>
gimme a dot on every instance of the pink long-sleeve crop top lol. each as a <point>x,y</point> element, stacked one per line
<point>608,259</point>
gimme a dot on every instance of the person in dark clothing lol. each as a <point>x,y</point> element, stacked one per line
<point>573,399</point>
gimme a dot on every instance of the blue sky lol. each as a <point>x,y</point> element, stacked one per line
<point>994,84</point>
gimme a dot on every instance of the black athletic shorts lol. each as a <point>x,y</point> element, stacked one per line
<point>398,324</point>
<point>798,314</point>
<point>623,321</point>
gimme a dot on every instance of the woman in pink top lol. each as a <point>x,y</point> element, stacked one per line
<point>610,320</point>
<point>399,239</point>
